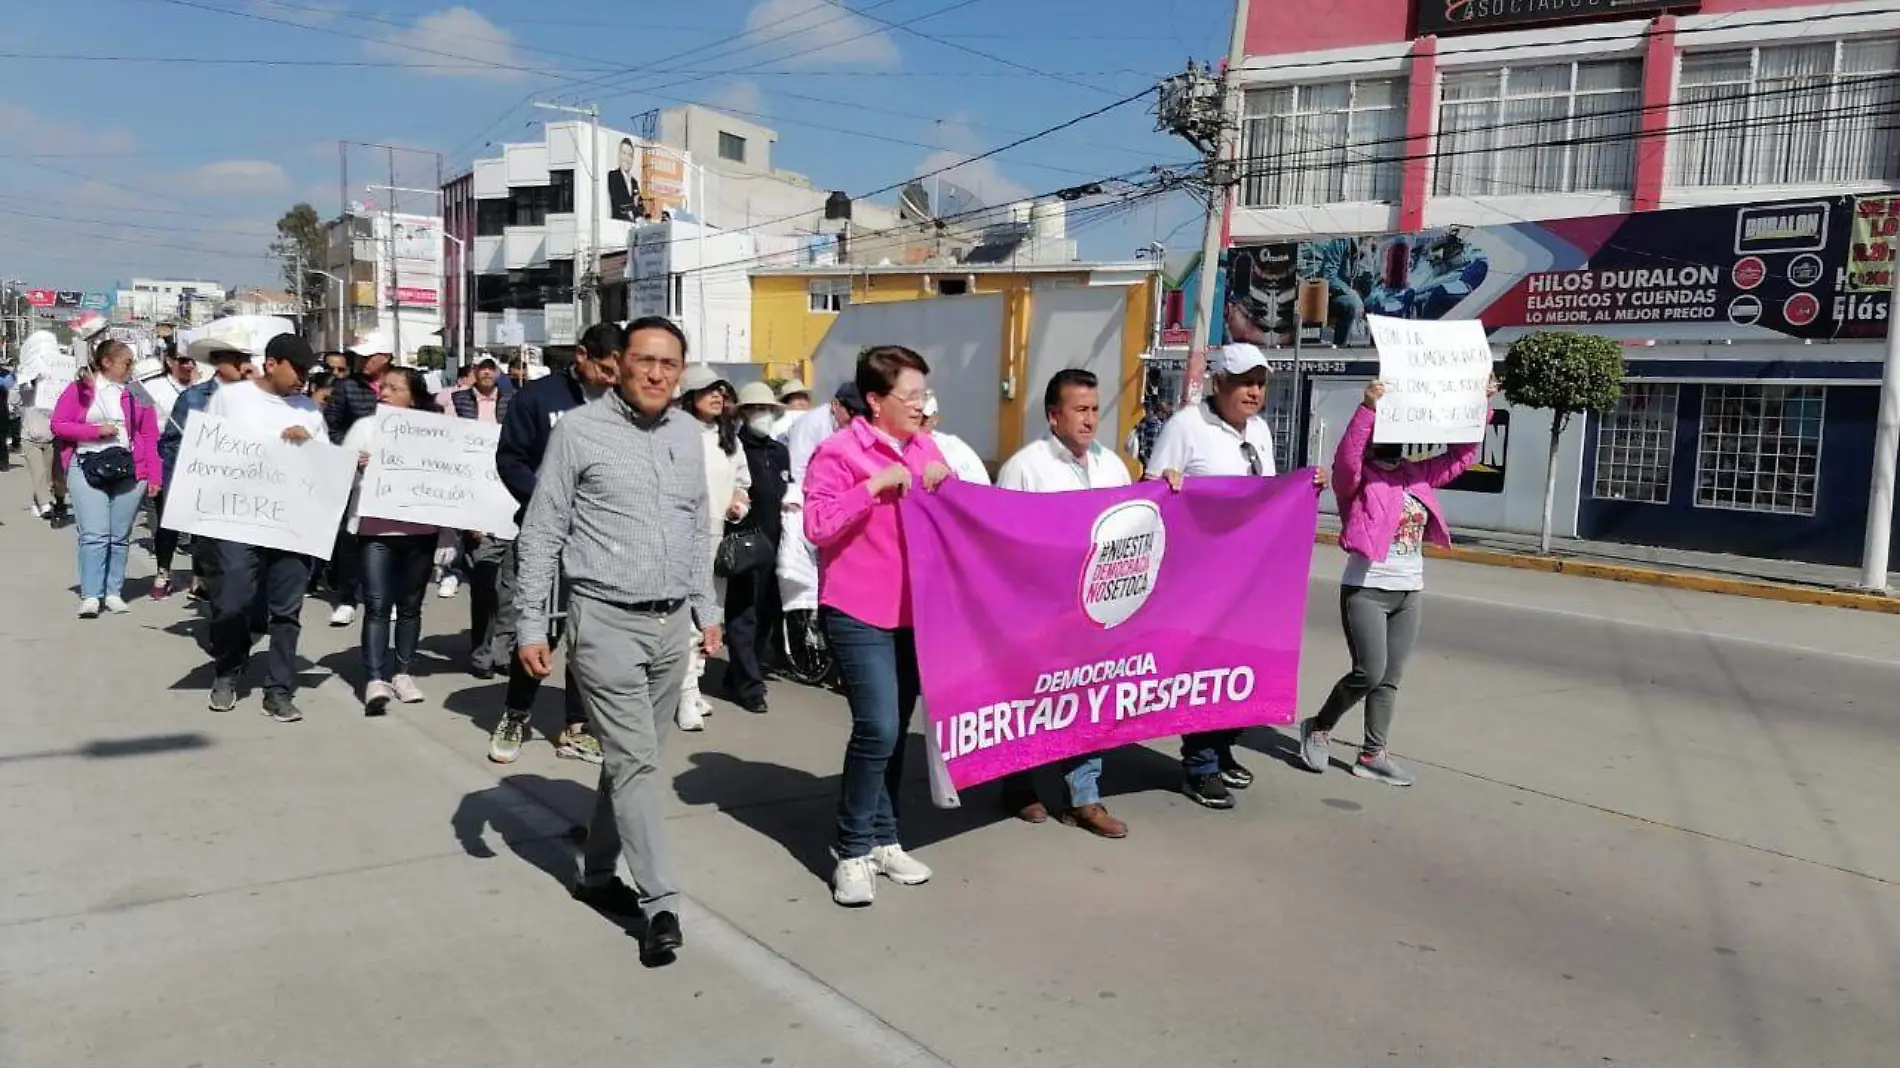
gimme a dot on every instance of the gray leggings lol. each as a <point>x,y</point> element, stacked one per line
<point>1381,626</point>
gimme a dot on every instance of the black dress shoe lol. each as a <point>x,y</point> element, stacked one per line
<point>663,938</point>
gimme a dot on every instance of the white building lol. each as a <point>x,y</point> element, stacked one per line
<point>254,301</point>
<point>387,270</point>
<point>150,300</point>
<point>673,270</point>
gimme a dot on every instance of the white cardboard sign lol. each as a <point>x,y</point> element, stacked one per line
<point>1435,375</point>
<point>245,483</point>
<point>436,470</point>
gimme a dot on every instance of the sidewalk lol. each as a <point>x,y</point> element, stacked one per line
<point>1742,576</point>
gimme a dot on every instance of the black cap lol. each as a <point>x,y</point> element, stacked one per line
<point>852,400</point>
<point>293,350</point>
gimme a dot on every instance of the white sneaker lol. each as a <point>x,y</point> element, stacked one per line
<point>449,585</point>
<point>854,882</point>
<point>40,511</point>
<point>117,606</point>
<point>689,717</point>
<point>89,608</point>
<point>344,615</point>
<point>705,706</point>
<point>407,691</point>
<point>898,866</point>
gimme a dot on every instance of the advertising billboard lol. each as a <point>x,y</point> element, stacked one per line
<point>650,271</point>
<point>1808,269</point>
<point>41,298</point>
<point>664,172</point>
<point>1471,16</point>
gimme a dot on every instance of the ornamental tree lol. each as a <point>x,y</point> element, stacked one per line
<point>1565,374</point>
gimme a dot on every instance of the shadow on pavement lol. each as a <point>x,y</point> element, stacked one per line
<point>114,748</point>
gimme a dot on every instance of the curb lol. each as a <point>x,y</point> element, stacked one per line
<point>1674,580</point>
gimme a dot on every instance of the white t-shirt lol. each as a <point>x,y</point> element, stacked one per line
<point>1195,441</point>
<point>961,458</point>
<point>1404,565</point>
<point>1047,466</point>
<point>783,424</point>
<point>108,406</point>
<point>251,404</point>
<point>805,436</point>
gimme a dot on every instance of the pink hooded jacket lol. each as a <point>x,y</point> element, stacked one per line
<point>1372,498</point>
<point>137,431</point>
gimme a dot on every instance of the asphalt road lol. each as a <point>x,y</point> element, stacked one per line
<point>1651,828</point>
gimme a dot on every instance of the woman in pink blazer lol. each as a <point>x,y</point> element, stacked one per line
<point>108,446</point>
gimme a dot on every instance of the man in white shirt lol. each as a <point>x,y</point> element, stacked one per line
<point>796,401</point>
<point>956,452</point>
<point>807,434</point>
<point>273,400</point>
<point>1225,435</point>
<point>1068,459</point>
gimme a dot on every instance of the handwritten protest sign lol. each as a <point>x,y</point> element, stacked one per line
<point>1434,374</point>
<point>1116,616</point>
<point>244,483</point>
<point>437,470</point>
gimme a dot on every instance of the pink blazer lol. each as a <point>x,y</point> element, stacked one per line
<point>861,563</point>
<point>1372,498</point>
<point>138,431</point>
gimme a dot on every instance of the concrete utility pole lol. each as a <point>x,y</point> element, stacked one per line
<point>468,269</point>
<point>395,282</point>
<point>590,285</point>
<point>1874,555</point>
<point>1206,112</point>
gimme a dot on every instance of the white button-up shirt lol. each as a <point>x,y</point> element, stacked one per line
<point>1047,466</point>
<point>1195,441</point>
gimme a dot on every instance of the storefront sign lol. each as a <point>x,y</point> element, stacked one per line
<point>1870,257</point>
<point>1471,16</point>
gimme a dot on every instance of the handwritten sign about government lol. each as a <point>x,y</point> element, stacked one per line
<point>437,470</point>
<point>1435,375</point>
<point>244,483</point>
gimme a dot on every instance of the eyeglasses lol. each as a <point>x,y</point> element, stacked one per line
<point>659,363</point>
<point>1254,467</point>
<point>914,400</point>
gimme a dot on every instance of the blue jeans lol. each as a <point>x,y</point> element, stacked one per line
<point>105,522</point>
<point>1082,775</point>
<point>1202,754</point>
<point>395,573</point>
<point>879,668</point>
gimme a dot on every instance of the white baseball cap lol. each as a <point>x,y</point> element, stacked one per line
<point>1238,359</point>
<point>930,404</point>
<point>375,343</point>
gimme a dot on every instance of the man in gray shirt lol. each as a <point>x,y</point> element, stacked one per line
<point>619,507</point>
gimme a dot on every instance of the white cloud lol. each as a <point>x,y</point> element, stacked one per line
<point>454,43</point>
<point>984,177</point>
<point>836,36</point>
<point>230,178</point>
<point>30,133</point>
<point>740,98</point>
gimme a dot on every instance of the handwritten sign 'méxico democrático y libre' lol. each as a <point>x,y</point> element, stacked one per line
<point>436,470</point>
<point>243,483</point>
<point>1435,375</point>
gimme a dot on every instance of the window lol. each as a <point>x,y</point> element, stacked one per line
<point>829,294</point>
<point>1322,144</point>
<point>560,192</point>
<point>1636,445</point>
<point>491,217</point>
<point>1760,448</point>
<point>952,287</point>
<point>1560,128</point>
<point>732,147</point>
<point>1788,115</point>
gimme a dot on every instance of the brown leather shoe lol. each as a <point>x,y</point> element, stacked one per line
<point>1095,820</point>
<point>1025,807</point>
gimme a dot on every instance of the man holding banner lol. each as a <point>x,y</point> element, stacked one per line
<point>1068,459</point>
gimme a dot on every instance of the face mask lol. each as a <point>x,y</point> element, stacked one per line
<point>761,424</point>
<point>1387,454</point>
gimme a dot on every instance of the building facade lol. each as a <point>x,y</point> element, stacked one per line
<point>1709,183</point>
<point>384,275</point>
<point>152,300</point>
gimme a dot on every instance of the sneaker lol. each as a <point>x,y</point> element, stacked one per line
<point>37,510</point>
<point>343,616</point>
<point>376,697</point>
<point>854,882</point>
<point>663,939</point>
<point>89,608</point>
<point>1379,768</point>
<point>898,866</point>
<point>690,716</point>
<point>224,696</point>
<point>705,706</point>
<point>197,594</point>
<point>1315,746</point>
<point>117,606</point>
<point>505,744</point>
<point>576,744</point>
<point>407,691</point>
<point>161,590</point>
<point>448,588</point>
<point>1233,774</point>
<point>612,897</point>
<point>1208,791</point>
<point>282,709</point>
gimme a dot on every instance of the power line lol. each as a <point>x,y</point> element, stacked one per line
<point>991,56</point>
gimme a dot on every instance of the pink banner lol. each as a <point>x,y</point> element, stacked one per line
<point>1059,624</point>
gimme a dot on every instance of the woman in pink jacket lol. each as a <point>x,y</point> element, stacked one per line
<point>1388,510</point>
<point>852,488</point>
<point>108,447</point>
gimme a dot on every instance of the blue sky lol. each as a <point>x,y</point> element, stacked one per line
<point>155,162</point>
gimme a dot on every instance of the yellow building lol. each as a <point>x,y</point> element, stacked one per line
<point>794,308</point>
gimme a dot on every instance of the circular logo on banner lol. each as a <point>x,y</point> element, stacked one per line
<point>1126,546</point>
<point>1805,270</point>
<point>1749,271</point>
<point>1801,309</point>
<point>1744,310</point>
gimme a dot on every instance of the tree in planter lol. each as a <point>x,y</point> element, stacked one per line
<point>1565,374</point>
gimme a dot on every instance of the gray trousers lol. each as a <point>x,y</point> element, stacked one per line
<point>628,667</point>
<point>1381,627</point>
